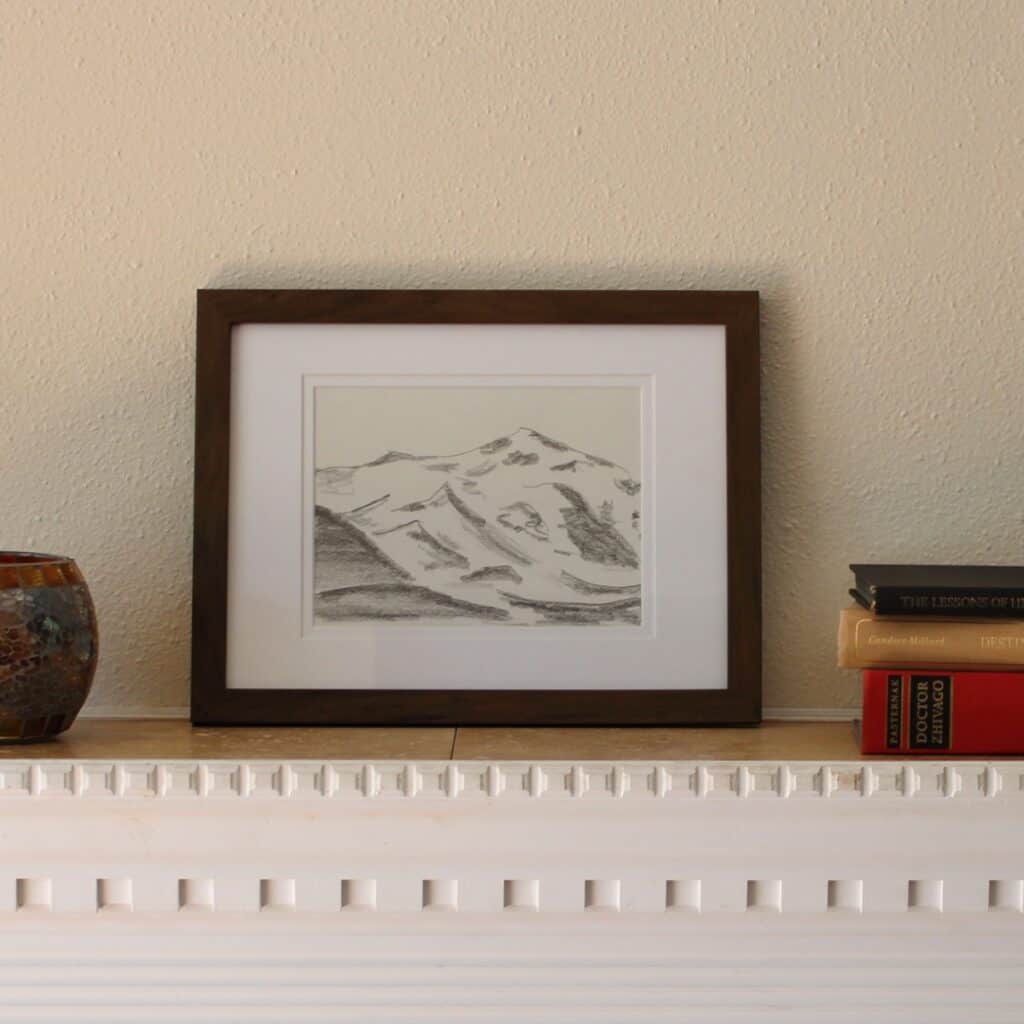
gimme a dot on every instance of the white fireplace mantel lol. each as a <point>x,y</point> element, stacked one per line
<point>401,891</point>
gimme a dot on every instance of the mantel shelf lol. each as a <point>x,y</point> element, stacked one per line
<point>172,739</point>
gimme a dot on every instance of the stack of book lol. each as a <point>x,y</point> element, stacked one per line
<point>942,653</point>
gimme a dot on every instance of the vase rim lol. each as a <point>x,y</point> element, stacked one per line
<point>32,558</point>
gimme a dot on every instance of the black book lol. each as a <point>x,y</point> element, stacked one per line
<point>979,591</point>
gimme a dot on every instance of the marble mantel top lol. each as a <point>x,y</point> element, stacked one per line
<point>175,739</point>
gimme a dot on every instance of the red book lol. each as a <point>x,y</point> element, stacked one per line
<point>922,711</point>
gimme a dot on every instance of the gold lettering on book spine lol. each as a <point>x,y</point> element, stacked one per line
<point>869,641</point>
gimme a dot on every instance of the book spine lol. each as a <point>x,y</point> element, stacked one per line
<point>942,712</point>
<point>869,642</point>
<point>963,601</point>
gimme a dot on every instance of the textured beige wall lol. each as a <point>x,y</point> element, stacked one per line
<point>858,162</point>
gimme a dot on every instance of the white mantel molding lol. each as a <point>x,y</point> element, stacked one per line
<point>393,891</point>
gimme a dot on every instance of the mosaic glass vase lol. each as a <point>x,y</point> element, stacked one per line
<point>48,645</point>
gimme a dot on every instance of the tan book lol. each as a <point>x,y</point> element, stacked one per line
<point>871,641</point>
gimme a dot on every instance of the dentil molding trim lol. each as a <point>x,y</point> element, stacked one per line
<point>548,780</point>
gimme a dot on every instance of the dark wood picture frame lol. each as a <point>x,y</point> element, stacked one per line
<point>220,311</point>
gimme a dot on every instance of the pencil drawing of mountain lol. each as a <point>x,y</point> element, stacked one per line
<point>522,530</point>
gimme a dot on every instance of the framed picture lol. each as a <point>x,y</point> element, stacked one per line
<point>477,507</point>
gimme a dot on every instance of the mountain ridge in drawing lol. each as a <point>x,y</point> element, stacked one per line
<point>523,529</point>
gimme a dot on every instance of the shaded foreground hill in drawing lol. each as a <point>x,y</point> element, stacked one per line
<point>523,530</point>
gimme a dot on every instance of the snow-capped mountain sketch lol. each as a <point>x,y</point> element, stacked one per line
<point>523,530</point>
